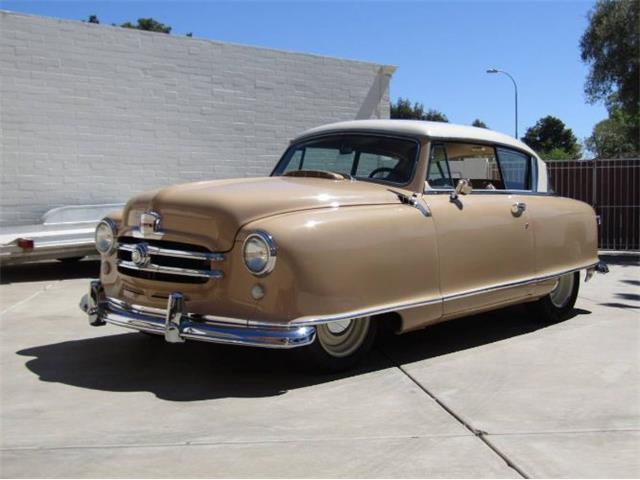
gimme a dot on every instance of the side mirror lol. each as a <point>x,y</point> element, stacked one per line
<point>462,188</point>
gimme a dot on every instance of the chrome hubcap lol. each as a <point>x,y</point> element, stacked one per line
<point>338,327</point>
<point>342,338</point>
<point>562,293</point>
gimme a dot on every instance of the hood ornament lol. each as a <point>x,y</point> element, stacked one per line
<point>150,223</point>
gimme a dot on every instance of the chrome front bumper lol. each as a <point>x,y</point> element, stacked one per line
<point>177,325</point>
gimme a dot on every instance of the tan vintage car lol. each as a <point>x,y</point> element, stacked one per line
<point>361,223</point>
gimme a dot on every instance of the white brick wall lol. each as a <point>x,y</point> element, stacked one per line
<point>94,114</point>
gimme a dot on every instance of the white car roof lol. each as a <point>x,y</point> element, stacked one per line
<point>420,128</point>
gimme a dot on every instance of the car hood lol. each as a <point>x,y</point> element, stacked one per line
<point>212,212</point>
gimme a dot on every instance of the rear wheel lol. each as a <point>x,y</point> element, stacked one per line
<point>341,345</point>
<point>559,303</point>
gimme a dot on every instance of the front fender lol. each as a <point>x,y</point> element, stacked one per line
<point>347,259</point>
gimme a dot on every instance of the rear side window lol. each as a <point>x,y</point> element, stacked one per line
<point>476,163</point>
<point>486,167</point>
<point>515,168</point>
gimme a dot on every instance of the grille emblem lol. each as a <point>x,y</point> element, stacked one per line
<point>140,255</point>
<point>149,223</point>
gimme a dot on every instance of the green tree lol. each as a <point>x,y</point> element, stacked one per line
<point>149,25</point>
<point>610,137</point>
<point>403,109</point>
<point>610,47</point>
<point>435,116</point>
<point>479,123</point>
<point>552,139</point>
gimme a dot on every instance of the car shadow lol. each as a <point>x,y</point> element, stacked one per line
<point>48,271</point>
<point>131,362</point>
<point>465,333</point>
<point>631,260</point>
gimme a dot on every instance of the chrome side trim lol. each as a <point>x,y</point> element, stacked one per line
<point>519,283</point>
<point>317,320</point>
<point>215,274</point>
<point>166,252</point>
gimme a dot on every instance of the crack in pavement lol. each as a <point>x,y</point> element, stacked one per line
<point>480,434</point>
<point>569,432</point>
<point>197,443</point>
<point>29,298</point>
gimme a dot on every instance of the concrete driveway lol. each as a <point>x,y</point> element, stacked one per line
<point>495,395</point>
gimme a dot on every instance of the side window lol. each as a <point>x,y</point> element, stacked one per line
<point>476,163</point>
<point>438,175</point>
<point>450,162</point>
<point>515,168</point>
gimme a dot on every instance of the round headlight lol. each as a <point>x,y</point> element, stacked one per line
<point>105,235</point>
<point>259,251</point>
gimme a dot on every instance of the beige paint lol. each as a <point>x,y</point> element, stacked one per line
<point>348,247</point>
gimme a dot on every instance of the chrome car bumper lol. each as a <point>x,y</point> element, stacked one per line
<point>177,325</point>
<point>600,267</point>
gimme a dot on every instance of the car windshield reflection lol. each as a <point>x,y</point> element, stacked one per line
<point>364,157</point>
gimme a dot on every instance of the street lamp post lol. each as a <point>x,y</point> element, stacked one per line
<point>515,86</point>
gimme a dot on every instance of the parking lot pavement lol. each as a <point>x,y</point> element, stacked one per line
<point>495,395</point>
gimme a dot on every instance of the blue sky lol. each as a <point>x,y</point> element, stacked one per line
<point>442,49</point>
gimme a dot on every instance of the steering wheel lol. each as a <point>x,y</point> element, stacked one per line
<point>379,170</point>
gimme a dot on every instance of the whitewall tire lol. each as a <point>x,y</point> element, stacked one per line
<point>340,345</point>
<point>559,303</point>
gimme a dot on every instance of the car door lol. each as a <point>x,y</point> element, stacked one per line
<point>485,241</point>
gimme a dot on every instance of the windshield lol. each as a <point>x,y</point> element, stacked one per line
<point>364,157</point>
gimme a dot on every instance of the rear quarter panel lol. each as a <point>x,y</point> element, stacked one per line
<point>565,233</point>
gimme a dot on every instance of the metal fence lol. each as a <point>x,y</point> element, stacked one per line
<point>612,187</point>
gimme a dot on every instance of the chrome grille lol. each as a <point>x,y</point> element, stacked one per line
<point>167,261</point>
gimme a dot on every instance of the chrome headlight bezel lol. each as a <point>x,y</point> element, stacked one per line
<point>113,231</point>
<point>270,248</point>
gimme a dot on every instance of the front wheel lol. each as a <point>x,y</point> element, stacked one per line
<point>559,303</point>
<point>341,345</point>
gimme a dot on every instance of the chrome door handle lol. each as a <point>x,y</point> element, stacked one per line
<point>517,208</point>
